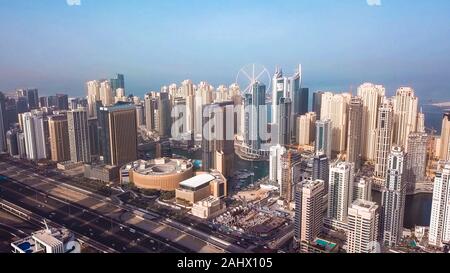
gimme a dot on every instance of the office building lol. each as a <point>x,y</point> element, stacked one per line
<point>150,105</point>
<point>164,115</point>
<point>363,221</point>
<point>372,96</point>
<point>439,233</point>
<point>12,145</point>
<point>321,169</point>
<point>275,163</point>
<point>59,138</point>
<point>117,83</point>
<point>254,102</point>
<point>308,219</point>
<point>77,121</point>
<point>317,103</point>
<point>354,138</point>
<point>284,125</point>
<point>280,87</point>
<point>393,197</point>
<point>324,137</point>
<point>118,134</point>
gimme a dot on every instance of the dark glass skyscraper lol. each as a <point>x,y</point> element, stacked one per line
<point>254,101</point>
<point>284,134</point>
<point>317,103</point>
<point>2,123</point>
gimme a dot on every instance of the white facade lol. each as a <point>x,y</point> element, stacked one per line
<point>33,129</point>
<point>440,211</point>
<point>340,191</point>
<point>372,96</point>
<point>362,190</point>
<point>275,163</point>
<point>362,231</point>
<point>106,93</point>
<point>384,134</point>
<point>306,128</point>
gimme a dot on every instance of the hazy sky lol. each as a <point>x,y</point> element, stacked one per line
<point>341,43</point>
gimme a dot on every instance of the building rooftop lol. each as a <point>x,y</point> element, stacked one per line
<point>197,181</point>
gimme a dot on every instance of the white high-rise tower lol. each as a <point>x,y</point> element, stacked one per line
<point>440,211</point>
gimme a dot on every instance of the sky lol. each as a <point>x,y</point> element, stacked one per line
<point>57,47</point>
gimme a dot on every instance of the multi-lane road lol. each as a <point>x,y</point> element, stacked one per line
<point>113,225</point>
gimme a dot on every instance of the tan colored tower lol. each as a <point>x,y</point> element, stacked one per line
<point>59,138</point>
<point>405,115</point>
<point>445,138</point>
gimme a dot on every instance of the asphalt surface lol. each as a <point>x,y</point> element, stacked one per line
<point>35,192</point>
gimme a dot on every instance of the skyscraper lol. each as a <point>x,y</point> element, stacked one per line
<point>254,102</point>
<point>405,115</point>
<point>285,110</point>
<point>2,123</point>
<point>340,191</point>
<point>306,128</point>
<point>106,93</point>
<point>33,98</point>
<point>118,134</point>
<point>164,115</point>
<point>80,150</point>
<point>335,107</point>
<point>275,163</point>
<point>372,97</point>
<point>218,141</point>
<point>12,142</point>
<point>150,105</point>
<point>363,219</point>
<point>383,138</point>
<point>290,164</point>
<point>93,90</point>
<point>420,122</point>
<point>118,82</point>
<point>321,169</point>
<point>34,135</point>
<point>440,212</point>
<point>308,219</point>
<point>354,142</point>
<point>417,159</point>
<point>317,103</point>
<point>393,197</point>
<point>62,102</point>
<point>280,87</point>
<point>445,138</point>
<point>362,189</point>
<point>324,137</point>
<point>59,138</point>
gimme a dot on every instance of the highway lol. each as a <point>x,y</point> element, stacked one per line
<point>98,218</point>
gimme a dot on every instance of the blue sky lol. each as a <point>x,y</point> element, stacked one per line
<point>341,43</point>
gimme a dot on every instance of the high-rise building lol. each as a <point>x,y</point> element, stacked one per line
<point>118,134</point>
<point>384,138</point>
<point>324,137</point>
<point>308,219</point>
<point>405,115</point>
<point>118,82</point>
<point>372,96</point>
<point>340,191</point>
<point>362,189</point>
<point>106,93</point>
<point>164,115</point>
<point>393,197</point>
<point>93,90</point>
<point>321,169</point>
<point>306,128</point>
<point>285,110</point>
<point>254,101</point>
<point>3,129</point>
<point>22,105</point>
<point>417,159</point>
<point>150,105</point>
<point>335,107</point>
<point>59,138</point>
<point>420,122</point>
<point>62,102</point>
<point>290,174</point>
<point>34,135</point>
<point>33,98</point>
<point>439,233</point>
<point>94,143</point>
<point>354,140</point>
<point>280,87</point>
<point>317,103</point>
<point>275,163</point>
<point>218,141</point>
<point>445,138</point>
<point>77,121</point>
<point>362,233</point>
